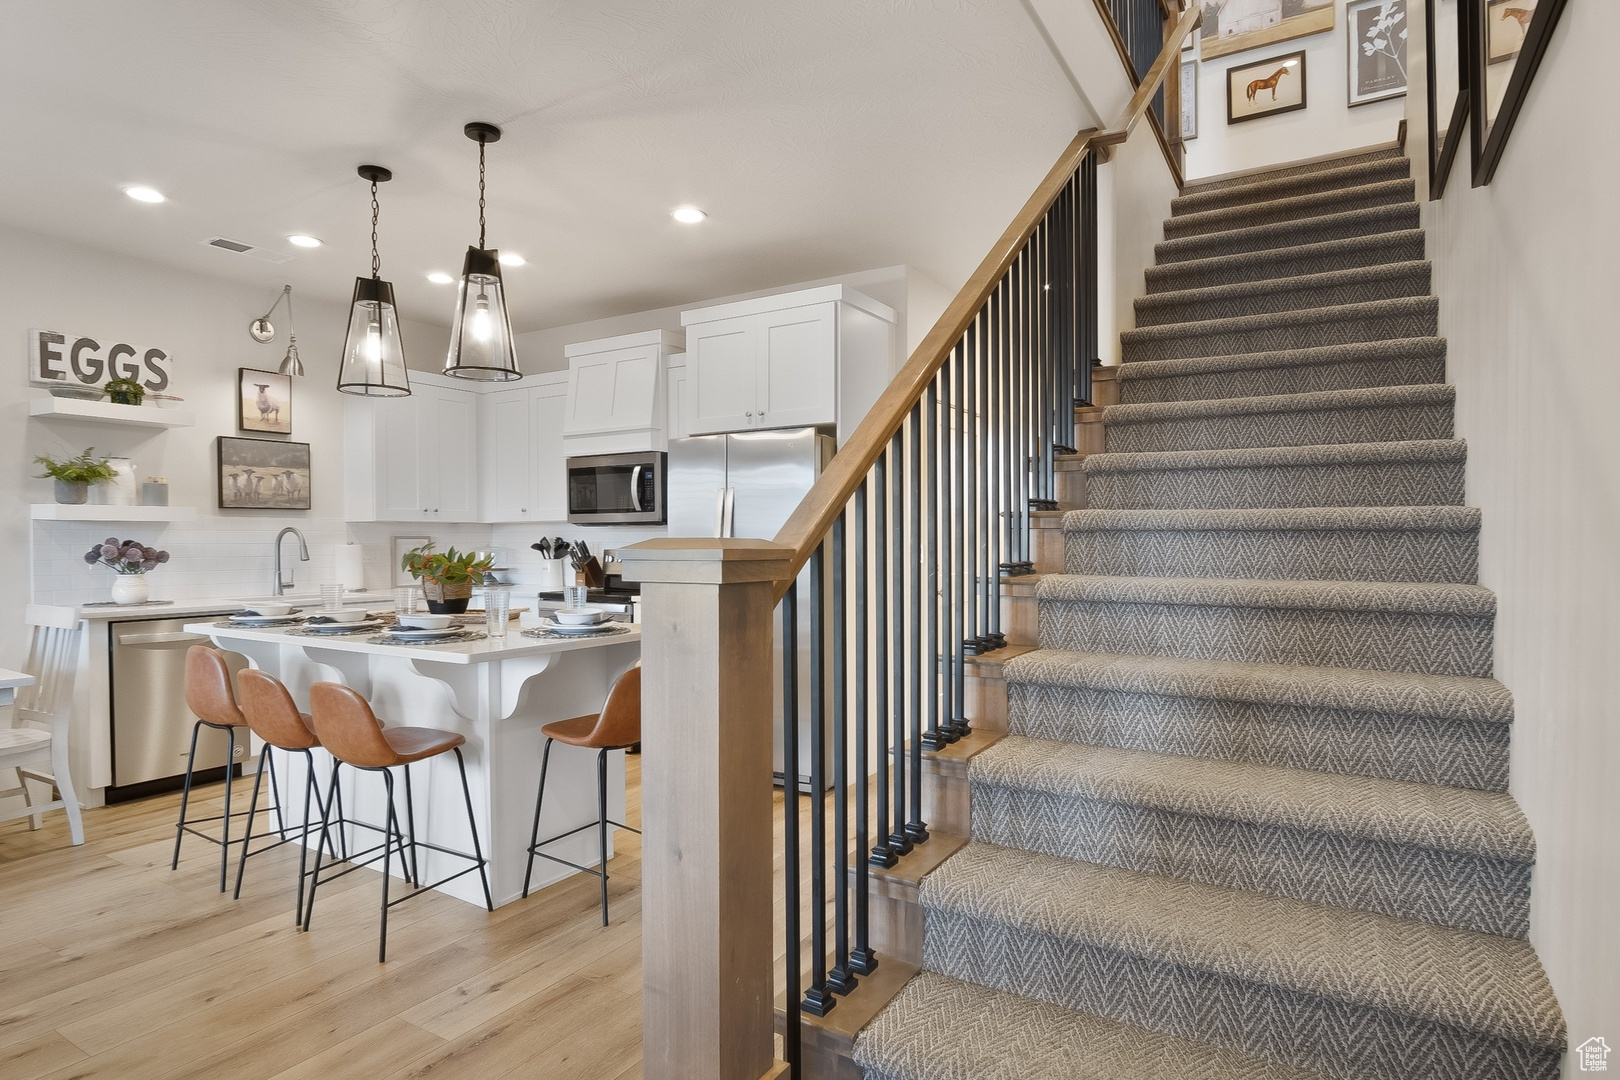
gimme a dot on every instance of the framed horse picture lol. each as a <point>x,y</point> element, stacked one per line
<point>263,474</point>
<point>1265,87</point>
<point>264,401</point>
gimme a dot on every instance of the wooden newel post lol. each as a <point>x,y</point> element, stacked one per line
<point>706,939</point>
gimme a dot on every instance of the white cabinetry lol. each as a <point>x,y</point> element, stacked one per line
<point>412,458</point>
<point>616,393</point>
<point>817,356</point>
<point>680,397</point>
<point>523,455</point>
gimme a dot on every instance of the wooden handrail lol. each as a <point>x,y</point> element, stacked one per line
<point>815,514</point>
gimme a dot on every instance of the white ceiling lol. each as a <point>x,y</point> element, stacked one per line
<point>821,136</point>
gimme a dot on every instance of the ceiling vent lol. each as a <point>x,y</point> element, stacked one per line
<point>237,247</point>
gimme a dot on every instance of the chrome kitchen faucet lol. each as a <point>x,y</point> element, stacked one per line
<point>283,582</point>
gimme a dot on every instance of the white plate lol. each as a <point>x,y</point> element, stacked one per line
<point>407,634</point>
<point>580,616</point>
<point>342,628</point>
<point>266,620</point>
<point>564,628</point>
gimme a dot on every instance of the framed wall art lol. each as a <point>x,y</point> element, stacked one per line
<point>1508,40</point>
<point>1232,26</point>
<point>398,548</point>
<point>263,474</point>
<point>1265,87</point>
<point>1189,98</point>
<point>1507,24</point>
<point>1376,30</point>
<point>264,401</point>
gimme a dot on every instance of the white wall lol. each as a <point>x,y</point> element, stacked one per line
<point>1133,199</point>
<point>1527,275</point>
<point>45,283</point>
<point>1325,126</point>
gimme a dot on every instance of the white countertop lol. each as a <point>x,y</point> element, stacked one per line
<point>70,615</point>
<point>10,680</point>
<point>513,646</point>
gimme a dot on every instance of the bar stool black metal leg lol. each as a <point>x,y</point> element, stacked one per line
<point>185,795</point>
<point>601,824</point>
<point>390,827</point>
<point>334,794</point>
<point>311,792</point>
<point>534,833</point>
<point>275,797</point>
<point>315,875</point>
<point>413,871</point>
<point>225,818</point>
<point>472,827</point>
<point>253,807</point>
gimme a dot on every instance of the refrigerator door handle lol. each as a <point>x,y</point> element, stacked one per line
<point>731,499</point>
<point>720,511</point>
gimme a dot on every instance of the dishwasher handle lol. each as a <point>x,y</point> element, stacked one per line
<point>163,639</point>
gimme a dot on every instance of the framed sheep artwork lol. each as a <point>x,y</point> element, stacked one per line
<point>263,474</point>
<point>264,401</point>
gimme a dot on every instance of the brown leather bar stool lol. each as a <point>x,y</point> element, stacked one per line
<point>351,733</point>
<point>616,727</point>
<point>275,719</point>
<point>209,695</point>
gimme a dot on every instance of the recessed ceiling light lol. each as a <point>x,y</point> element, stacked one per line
<point>687,215</point>
<point>512,258</point>
<point>439,277</point>
<point>144,194</point>
<point>300,240</point>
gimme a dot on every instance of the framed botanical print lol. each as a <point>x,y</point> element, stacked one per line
<point>1377,38</point>
<point>264,401</point>
<point>1265,87</point>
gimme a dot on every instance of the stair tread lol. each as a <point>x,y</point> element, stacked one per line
<point>1301,168</point>
<point>1396,306</point>
<point>1223,265</point>
<point>1270,286</point>
<point>1268,187</point>
<point>1400,597</point>
<point>1464,979</point>
<point>1311,401</point>
<point>1390,349</point>
<point>940,1028</point>
<point>1366,221</point>
<point>1451,819</point>
<point>1286,518</point>
<point>1399,693</point>
<point>1406,451</point>
<point>1288,208</point>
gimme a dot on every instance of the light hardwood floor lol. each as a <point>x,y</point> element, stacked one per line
<point>113,967</point>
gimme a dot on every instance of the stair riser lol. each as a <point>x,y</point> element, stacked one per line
<point>1328,426</point>
<point>1289,187</point>
<point>1299,555</point>
<point>1282,296</point>
<point>1298,379</point>
<point>1252,215</point>
<point>1290,234</point>
<point>1343,1041</point>
<point>1201,339</point>
<point>1375,640</point>
<point>1307,168</point>
<point>1372,484</point>
<point>1288,262</point>
<point>1490,895</point>
<point>1423,750</point>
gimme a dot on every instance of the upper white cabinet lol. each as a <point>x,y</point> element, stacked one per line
<point>523,454</point>
<point>817,356</point>
<point>616,392</point>
<point>412,458</point>
<point>680,397</point>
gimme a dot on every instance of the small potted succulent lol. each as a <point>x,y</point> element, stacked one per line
<point>447,577</point>
<point>124,391</point>
<point>75,475</point>
<point>131,560</point>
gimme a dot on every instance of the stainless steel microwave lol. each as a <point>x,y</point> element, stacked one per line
<point>617,489</point>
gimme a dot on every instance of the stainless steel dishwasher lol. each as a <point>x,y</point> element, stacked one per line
<point>151,725</point>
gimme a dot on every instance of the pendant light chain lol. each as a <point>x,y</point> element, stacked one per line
<point>480,194</point>
<point>376,264</point>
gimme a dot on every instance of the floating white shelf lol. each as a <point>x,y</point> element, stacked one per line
<point>88,512</point>
<point>105,412</point>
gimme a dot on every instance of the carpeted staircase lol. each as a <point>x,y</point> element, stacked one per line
<point>1250,819</point>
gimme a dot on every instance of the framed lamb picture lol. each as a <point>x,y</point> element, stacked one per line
<point>263,474</point>
<point>1377,61</point>
<point>264,401</point>
<point>1265,87</point>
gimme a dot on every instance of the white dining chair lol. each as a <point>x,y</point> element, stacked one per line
<point>35,742</point>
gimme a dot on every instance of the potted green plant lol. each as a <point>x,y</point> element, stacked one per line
<point>75,475</point>
<point>447,577</point>
<point>125,391</point>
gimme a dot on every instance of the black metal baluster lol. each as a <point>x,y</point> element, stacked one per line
<point>997,445</point>
<point>842,977</point>
<point>899,841</point>
<point>969,521</point>
<point>937,735</point>
<point>916,829</point>
<point>958,540</point>
<point>861,959</point>
<point>790,824</point>
<point>1088,346</point>
<point>818,999</point>
<point>882,853</point>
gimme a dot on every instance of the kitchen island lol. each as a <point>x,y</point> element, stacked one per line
<point>497,693</point>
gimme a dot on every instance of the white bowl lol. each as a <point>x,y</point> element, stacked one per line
<point>347,615</point>
<point>271,609</point>
<point>426,622</point>
<point>580,616</point>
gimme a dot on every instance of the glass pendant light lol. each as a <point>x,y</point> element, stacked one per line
<point>481,334</point>
<point>373,357</point>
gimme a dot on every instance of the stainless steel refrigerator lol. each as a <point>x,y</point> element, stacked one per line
<point>747,485</point>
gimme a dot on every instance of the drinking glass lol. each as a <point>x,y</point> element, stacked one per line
<point>576,596</point>
<point>405,599</point>
<point>331,597</point>
<point>497,610</point>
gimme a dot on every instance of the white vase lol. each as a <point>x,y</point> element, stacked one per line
<point>130,589</point>
<point>121,490</point>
